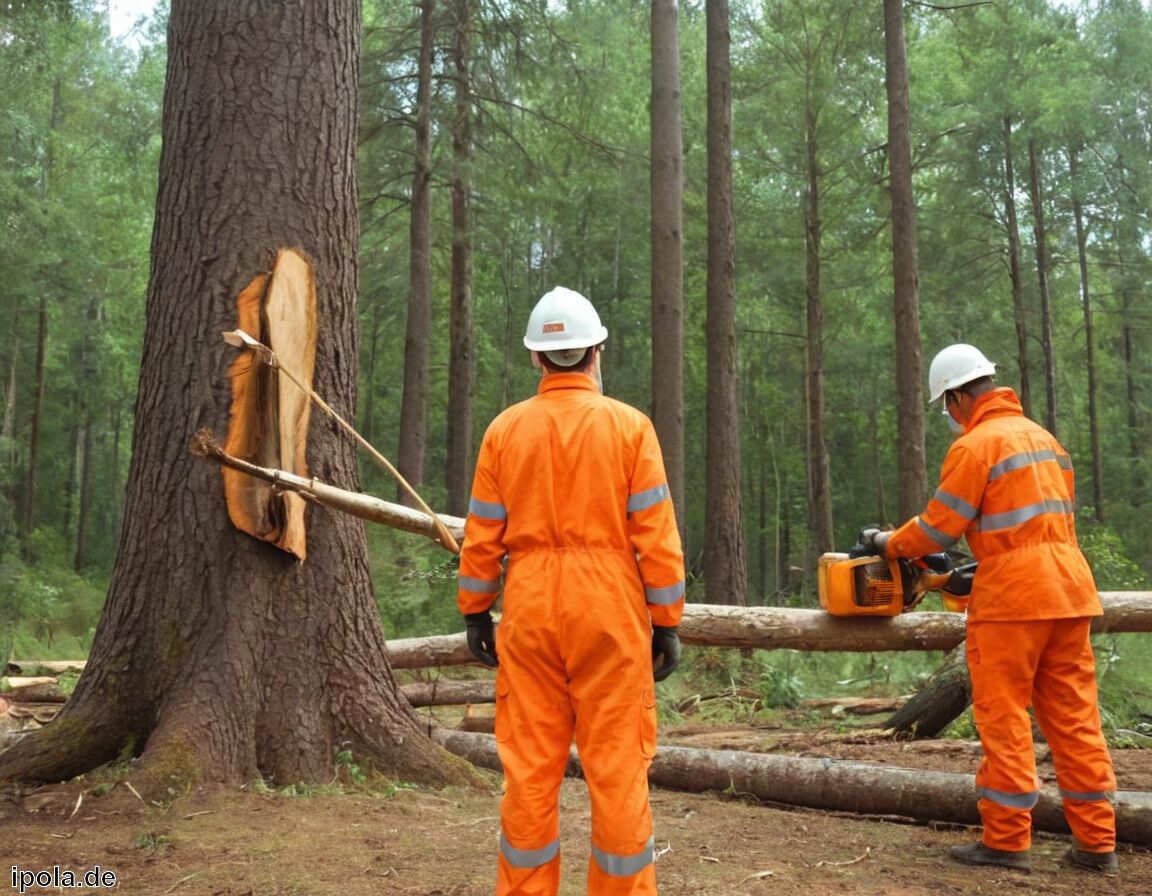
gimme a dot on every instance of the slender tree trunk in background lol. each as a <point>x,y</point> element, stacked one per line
<point>368,424</point>
<point>414,403</point>
<point>725,567</point>
<point>84,493</point>
<point>244,663</point>
<point>8,425</point>
<point>461,364</point>
<point>1015,271</point>
<point>32,472</point>
<point>819,477</point>
<point>667,187</point>
<point>1046,336</point>
<point>1089,340</point>
<point>913,481</point>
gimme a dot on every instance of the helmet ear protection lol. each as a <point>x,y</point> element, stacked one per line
<point>563,325</point>
<point>954,366</point>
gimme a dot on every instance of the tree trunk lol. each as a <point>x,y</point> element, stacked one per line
<point>217,656</point>
<point>1089,341</point>
<point>667,186</point>
<point>831,784</point>
<point>913,483</point>
<point>941,700</point>
<point>725,568</point>
<point>1046,335</point>
<point>414,402</point>
<point>1015,271</point>
<point>819,477</point>
<point>460,359</point>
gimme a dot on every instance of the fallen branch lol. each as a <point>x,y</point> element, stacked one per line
<point>355,504</point>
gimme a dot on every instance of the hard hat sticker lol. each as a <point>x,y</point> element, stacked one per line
<point>556,327</point>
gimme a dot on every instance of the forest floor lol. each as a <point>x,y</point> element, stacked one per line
<point>420,842</point>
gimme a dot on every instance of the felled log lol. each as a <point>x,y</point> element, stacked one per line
<point>55,667</point>
<point>770,628</point>
<point>40,689</point>
<point>860,706</point>
<point>449,693</point>
<point>831,784</point>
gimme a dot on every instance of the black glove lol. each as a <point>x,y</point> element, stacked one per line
<point>865,543</point>
<point>666,647</point>
<point>960,582</point>
<point>481,632</point>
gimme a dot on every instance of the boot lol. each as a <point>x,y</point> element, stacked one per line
<point>1103,862</point>
<point>979,854</point>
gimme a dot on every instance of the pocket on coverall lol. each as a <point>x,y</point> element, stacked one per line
<point>648,723</point>
<point>504,724</point>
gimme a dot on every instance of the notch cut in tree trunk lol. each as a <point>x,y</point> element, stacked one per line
<point>269,418</point>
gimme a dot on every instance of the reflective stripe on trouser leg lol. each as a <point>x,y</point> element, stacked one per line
<point>1002,658</point>
<point>1066,707</point>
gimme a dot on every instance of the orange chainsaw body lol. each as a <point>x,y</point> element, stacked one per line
<point>873,586</point>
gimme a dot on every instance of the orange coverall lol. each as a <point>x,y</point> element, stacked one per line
<point>570,487</point>
<point>1007,486</point>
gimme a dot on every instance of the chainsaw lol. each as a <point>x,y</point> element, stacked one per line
<point>863,584</point>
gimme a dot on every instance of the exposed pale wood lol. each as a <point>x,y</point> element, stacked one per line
<point>56,667</point>
<point>830,784</point>
<point>269,414</point>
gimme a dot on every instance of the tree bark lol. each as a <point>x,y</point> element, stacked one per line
<point>414,402</point>
<point>1015,271</point>
<point>831,784</point>
<point>819,477</point>
<point>218,657</point>
<point>1047,339</point>
<point>913,482</point>
<point>1089,339</point>
<point>725,566</point>
<point>460,360</point>
<point>667,186</point>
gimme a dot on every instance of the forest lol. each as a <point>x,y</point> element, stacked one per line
<point>782,210</point>
<point>506,147</point>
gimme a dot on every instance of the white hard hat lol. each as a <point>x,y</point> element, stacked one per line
<point>954,366</point>
<point>563,319</point>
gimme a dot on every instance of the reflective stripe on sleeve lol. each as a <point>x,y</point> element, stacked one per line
<point>490,510</point>
<point>625,866</point>
<point>1011,518</point>
<point>666,595</point>
<point>528,858</point>
<point>1011,800</point>
<point>941,538</point>
<point>958,505</point>
<point>647,498</point>
<point>1028,459</point>
<point>480,586</point>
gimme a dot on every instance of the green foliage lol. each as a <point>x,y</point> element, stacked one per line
<point>1113,569</point>
<point>415,582</point>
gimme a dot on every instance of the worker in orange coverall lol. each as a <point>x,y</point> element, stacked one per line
<point>1007,486</point>
<point>570,488</point>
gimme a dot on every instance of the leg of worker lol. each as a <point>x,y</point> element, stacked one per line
<point>615,702</point>
<point>533,735</point>
<point>1065,702</point>
<point>1002,659</point>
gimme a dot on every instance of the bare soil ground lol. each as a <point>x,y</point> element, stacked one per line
<point>443,843</point>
